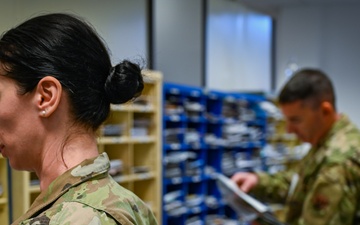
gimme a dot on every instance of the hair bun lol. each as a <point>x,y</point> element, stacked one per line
<point>124,82</point>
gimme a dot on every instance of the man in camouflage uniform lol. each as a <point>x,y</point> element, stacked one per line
<point>87,190</point>
<point>324,188</point>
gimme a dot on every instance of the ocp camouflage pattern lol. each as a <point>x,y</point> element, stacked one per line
<point>328,188</point>
<point>87,195</point>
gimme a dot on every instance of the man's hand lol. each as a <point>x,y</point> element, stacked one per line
<point>246,181</point>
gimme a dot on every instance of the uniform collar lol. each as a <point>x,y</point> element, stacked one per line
<point>86,170</point>
<point>340,123</point>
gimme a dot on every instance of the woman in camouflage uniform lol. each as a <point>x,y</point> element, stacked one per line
<point>56,86</point>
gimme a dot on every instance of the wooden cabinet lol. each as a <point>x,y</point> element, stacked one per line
<point>4,192</point>
<point>131,137</point>
<point>25,189</point>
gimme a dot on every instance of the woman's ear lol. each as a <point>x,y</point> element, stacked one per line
<point>48,95</point>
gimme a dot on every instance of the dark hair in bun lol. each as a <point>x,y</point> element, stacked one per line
<point>124,82</point>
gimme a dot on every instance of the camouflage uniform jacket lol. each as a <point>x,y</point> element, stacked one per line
<point>86,194</point>
<point>328,186</point>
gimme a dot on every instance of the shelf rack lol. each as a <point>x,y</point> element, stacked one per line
<point>204,132</point>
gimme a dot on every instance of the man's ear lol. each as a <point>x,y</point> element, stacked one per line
<point>327,108</point>
<point>48,95</point>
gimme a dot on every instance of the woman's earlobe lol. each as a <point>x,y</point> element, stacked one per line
<point>43,113</point>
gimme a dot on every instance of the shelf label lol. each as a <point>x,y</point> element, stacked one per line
<point>174,91</point>
<point>213,96</point>
<point>144,176</point>
<point>117,140</point>
<point>196,210</point>
<point>230,99</point>
<point>119,107</point>
<point>176,180</point>
<point>195,93</point>
<point>145,108</point>
<point>175,146</point>
<point>174,118</point>
<point>196,179</point>
<point>142,139</point>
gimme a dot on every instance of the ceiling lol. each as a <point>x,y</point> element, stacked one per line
<point>272,6</point>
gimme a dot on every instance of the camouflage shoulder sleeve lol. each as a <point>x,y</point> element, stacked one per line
<point>77,213</point>
<point>332,199</point>
<point>71,213</point>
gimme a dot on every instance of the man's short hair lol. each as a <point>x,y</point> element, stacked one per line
<point>309,85</point>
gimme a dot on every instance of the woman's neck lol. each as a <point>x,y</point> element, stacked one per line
<point>57,159</point>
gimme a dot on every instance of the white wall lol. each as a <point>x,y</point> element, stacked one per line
<point>121,23</point>
<point>326,37</point>
<point>178,40</point>
<point>237,45</point>
<point>238,48</point>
